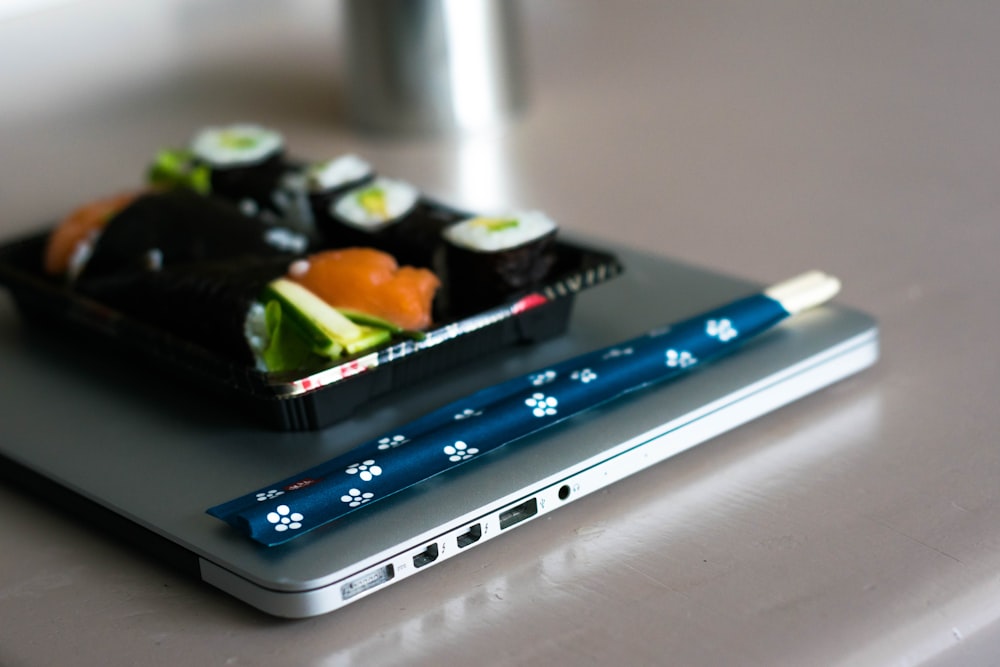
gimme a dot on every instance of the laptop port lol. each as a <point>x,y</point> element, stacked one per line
<point>367,581</point>
<point>517,514</point>
<point>471,536</point>
<point>427,556</point>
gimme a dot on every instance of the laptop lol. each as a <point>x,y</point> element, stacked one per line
<point>143,455</point>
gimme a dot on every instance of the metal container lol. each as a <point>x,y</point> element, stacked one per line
<point>432,66</point>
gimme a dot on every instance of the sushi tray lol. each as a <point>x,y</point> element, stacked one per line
<point>297,291</point>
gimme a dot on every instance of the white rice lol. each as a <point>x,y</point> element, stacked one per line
<point>492,234</point>
<point>285,239</point>
<point>337,172</point>
<point>236,145</point>
<point>255,331</point>
<point>82,252</point>
<point>398,198</point>
<point>298,268</point>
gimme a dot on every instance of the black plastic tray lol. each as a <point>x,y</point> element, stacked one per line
<point>306,402</point>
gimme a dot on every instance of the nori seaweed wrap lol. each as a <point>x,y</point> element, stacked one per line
<point>178,227</point>
<point>188,264</point>
<point>205,303</point>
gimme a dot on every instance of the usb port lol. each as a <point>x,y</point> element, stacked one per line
<point>517,514</point>
<point>427,556</point>
<point>471,536</point>
<point>366,582</point>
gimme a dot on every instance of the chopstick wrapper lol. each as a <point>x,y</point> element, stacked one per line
<point>489,419</point>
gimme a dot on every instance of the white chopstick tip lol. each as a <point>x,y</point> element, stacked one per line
<point>804,291</point>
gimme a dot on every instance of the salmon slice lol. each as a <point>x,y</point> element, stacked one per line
<point>78,226</point>
<point>370,281</point>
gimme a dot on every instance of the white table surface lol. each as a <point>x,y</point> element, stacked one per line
<point>859,526</point>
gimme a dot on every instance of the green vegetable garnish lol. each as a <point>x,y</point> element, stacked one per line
<point>288,348</point>
<point>372,200</point>
<point>496,224</point>
<point>175,168</point>
<point>327,331</point>
<point>304,328</point>
<point>364,319</point>
<point>199,179</point>
<point>237,140</point>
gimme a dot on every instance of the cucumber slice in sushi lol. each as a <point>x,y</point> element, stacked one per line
<point>326,328</point>
<point>369,320</point>
<point>329,332</point>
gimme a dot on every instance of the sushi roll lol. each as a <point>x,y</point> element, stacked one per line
<point>277,317</point>
<point>197,268</point>
<point>205,304</point>
<point>390,215</point>
<point>336,304</point>
<point>490,259</point>
<point>247,311</point>
<point>326,181</point>
<point>244,164</point>
<point>334,176</point>
<point>370,215</point>
<point>160,230</point>
<point>255,304</point>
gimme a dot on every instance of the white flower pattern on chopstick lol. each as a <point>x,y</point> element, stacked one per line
<point>366,470</point>
<point>544,377</point>
<point>542,405</point>
<point>681,359</point>
<point>459,452</point>
<point>391,442</point>
<point>722,329</point>
<point>283,518</point>
<point>355,498</point>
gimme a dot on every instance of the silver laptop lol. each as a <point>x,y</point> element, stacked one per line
<point>144,456</point>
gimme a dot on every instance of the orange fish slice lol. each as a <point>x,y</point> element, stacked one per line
<point>77,226</point>
<point>370,281</point>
